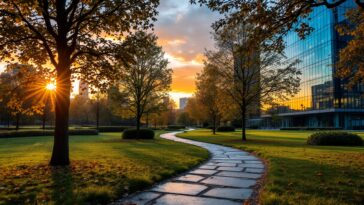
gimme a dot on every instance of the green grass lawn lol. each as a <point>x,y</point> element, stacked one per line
<point>103,168</point>
<point>298,173</point>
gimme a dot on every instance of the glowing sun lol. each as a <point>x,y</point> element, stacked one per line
<point>50,86</point>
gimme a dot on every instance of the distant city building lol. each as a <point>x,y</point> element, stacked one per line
<point>182,103</point>
<point>323,99</point>
<point>83,90</point>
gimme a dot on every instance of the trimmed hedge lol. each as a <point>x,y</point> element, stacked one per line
<point>226,129</point>
<point>335,139</point>
<point>176,127</point>
<point>310,128</point>
<point>133,134</point>
<point>112,128</point>
<point>34,133</point>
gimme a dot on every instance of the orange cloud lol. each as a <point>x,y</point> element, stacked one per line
<point>184,79</point>
<point>171,42</point>
<point>199,58</point>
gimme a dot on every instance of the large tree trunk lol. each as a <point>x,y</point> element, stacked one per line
<point>138,118</point>
<point>147,122</point>
<point>43,120</point>
<point>138,123</point>
<point>60,154</point>
<point>214,125</point>
<point>243,123</point>
<point>44,117</point>
<point>8,121</point>
<point>17,121</point>
<point>97,113</point>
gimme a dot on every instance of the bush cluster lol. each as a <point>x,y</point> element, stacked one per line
<point>335,139</point>
<point>253,127</point>
<point>33,133</point>
<point>112,128</point>
<point>310,128</point>
<point>176,127</point>
<point>134,134</point>
<point>226,129</point>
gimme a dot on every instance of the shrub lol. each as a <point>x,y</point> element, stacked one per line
<point>335,139</point>
<point>33,133</point>
<point>83,132</point>
<point>253,127</point>
<point>133,134</point>
<point>176,127</point>
<point>112,128</point>
<point>226,129</point>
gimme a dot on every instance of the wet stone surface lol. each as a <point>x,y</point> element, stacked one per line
<point>227,178</point>
<point>230,193</point>
<point>190,178</point>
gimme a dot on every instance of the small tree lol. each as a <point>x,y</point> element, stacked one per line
<point>196,111</point>
<point>146,81</point>
<point>208,93</point>
<point>184,118</point>
<point>252,72</point>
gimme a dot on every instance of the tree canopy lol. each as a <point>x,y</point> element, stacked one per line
<point>146,81</point>
<point>251,75</point>
<point>76,37</point>
<point>351,62</point>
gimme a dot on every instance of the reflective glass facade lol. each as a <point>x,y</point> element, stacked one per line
<point>323,100</point>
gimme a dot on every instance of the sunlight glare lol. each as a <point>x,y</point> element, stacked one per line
<point>51,86</point>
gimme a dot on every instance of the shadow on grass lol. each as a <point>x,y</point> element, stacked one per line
<point>62,192</point>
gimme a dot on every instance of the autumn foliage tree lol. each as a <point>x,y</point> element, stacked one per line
<point>208,93</point>
<point>351,62</point>
<point>274,17</point>
<point>196,111</point>
<point>251,71</point>
<point>23,91</point>
<point>146,81</point>
<point>74,37</point>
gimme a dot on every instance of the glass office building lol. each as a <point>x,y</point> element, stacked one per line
<point>323,99</point>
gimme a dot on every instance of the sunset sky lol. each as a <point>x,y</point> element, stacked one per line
<point>184,33</point>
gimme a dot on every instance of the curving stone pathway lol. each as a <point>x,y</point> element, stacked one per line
<point>228,178</point>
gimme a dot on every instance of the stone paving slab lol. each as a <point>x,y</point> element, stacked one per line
<point>254,170</point>
<point>229,181</point>
<point>226,164</point>
<point>144,198</point>
<point>233,169</point>
<point>208,167</point>
<point>239,175</point>
<point>230,193</point>
<point>203,171</point>
<point>228,161</point>
<point>170,199</point>
<point>227,178</point>
<point>190,178</point>
<point>260,166</point>
<point>180,188</point>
